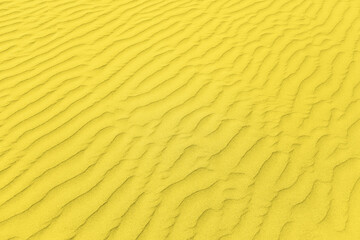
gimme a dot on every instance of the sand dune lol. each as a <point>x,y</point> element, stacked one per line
<point>233,119</point>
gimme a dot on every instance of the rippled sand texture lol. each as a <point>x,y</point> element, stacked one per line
<point>180,119</point>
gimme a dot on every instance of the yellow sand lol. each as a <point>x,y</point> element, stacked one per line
<point>180,119</point>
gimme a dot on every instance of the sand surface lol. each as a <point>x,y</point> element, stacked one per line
<point>180,119</point>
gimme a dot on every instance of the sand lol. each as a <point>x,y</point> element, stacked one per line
<point>179,119</point>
